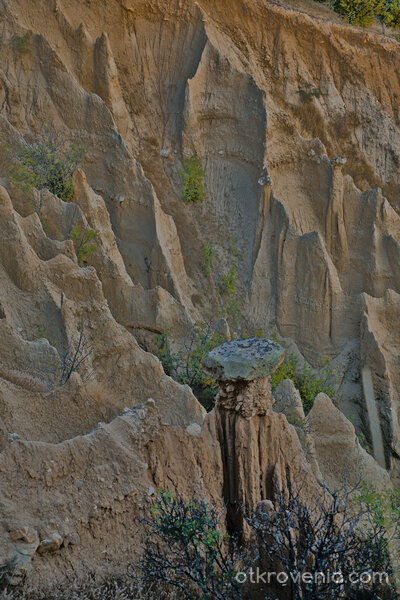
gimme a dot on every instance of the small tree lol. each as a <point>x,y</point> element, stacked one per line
<point>22,43</point>
<point>187,550</point>
<point>228,282</point>
<point>82,243</point>
<point>186,365</point>
<point>46,164</point>
<point>193,180</point>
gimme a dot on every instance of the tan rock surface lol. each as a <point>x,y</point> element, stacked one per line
<point>142,85</point>
<point>341,459</point>
<point>77,504</point>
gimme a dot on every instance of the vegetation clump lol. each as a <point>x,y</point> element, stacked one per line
<point>46,164</point>
<point>83,245</point>
<point>228,282</point>
<point>308,382</point>
<point>186,364</point>
<point>343,532</point>
<point>391,15</point>
<point>22,43</point>
<point>364,13</point>
<point>208,259</point>
<point>193,180</point>
<point>188,551</point>
<point>308,93</point>
<point>359,12</point>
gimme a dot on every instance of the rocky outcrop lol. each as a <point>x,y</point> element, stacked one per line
<point>142,85</point>
<point>66,299</point>
<point>260,450</point>
<point>77,504</point>
<point>329,442</point>
<point>340,457</point>
<point>216,83</point>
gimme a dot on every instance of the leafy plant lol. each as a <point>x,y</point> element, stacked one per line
<point>363,442</point>
<point>286,370</point>
<point>228,282</point>
<point>187,550</point>
<point>46,165</point>
<point>82,242</point>
<point>359,12</point>
<point>383,515</point>
<point>22,43</point>
<point>193,180</point>
<point>208,259</point>
<point>308,382</point>
<point>392,14</point>
<point>169,360</point>
<point>347,533</point>
<point>186,364</point>
<point>308,93</point>
<point>311,383</point>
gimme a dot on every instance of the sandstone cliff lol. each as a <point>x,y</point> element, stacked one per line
<point>142,84</point>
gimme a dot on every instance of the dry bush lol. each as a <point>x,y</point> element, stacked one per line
<point>97,392</point>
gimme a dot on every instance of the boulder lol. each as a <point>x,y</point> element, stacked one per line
<point>244,360</point>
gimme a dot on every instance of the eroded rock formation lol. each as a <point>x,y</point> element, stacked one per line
<point>259,448</point>
<point>314,238</point>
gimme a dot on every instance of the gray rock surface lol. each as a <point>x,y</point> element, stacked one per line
<point>244,360</point>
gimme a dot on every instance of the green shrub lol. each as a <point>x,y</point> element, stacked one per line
<point>287,370</point>
<point>308,382</point>
<point>228,282</point>
<point>169,360</point>
<point>186,364</point>
<point>307,94</point>
<point>359,12</point>
<point>187,549</point>
<point>392,14</point>
<point>22,43</point>
<point>81,239</point>
<point>208,259</point>
<point>46,165</point>
<point>193,180</point>
<point>311,383</point>
<point>363,442</point>
<point>382,510</point>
